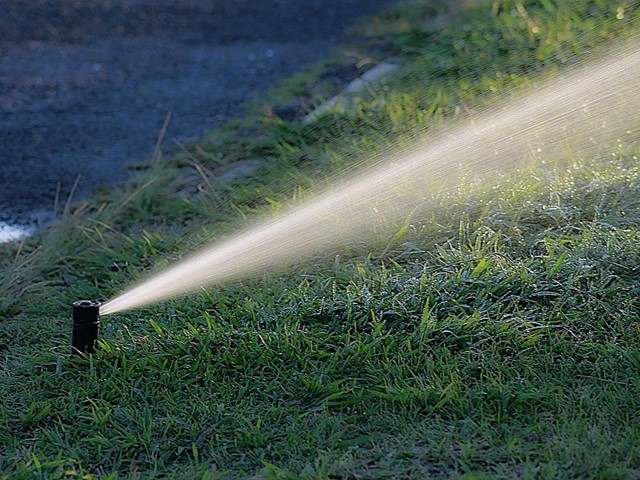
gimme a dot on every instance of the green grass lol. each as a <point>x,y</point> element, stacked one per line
<point>497,337</point>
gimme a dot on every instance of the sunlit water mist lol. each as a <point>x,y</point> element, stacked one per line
<point>581,112</point>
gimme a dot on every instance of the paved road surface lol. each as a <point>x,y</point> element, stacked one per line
<point>85,84</point>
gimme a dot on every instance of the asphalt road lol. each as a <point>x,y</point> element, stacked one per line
<point>85,84</point>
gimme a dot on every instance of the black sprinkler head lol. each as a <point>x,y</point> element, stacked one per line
<point>86,322</point>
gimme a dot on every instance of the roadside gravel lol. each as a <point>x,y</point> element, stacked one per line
<point>85,85</point>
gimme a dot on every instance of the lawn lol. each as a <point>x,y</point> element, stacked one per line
<point>492,335</point>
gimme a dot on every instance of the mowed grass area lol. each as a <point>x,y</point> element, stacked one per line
<point>496,336</point>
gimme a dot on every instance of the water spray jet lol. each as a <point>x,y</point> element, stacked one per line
<point>584,111</point>
<point>86,324</point>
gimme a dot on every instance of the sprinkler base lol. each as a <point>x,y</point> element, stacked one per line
<point>86,324</point>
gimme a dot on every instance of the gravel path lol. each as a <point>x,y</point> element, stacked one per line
<point>85,84</point>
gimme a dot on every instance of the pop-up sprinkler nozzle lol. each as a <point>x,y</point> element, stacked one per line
<point>86,322</point>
